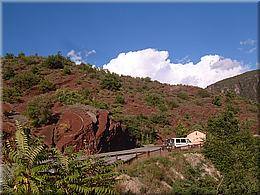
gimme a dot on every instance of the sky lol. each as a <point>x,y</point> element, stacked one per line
<point>189,43</point>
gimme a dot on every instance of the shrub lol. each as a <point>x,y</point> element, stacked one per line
<point>55,61</point>
<point>39,110</point>
<point>11,95</point>
<point>217,101</point>
<point>111,81</point>
<point>181,131</point>
<point>69,97</point>
<point>183,95</point>
<point>46,86</point>
<point>119,99</point>
<point>230,95</point>
<point>161,119</point>
<point>66,70</point>
<point>85,93</point>
<point>9,56</point>
<point>25,80</point>
<point>35,70</point>
<point>86,68</point>
<point>173,104</point>
<point>8,73</point>
<point>100,105</point>
<point>203,93</point>
<point>156,100</point>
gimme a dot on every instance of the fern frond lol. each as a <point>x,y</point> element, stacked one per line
<point>34,153</point>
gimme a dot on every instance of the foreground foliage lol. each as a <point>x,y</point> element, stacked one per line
<point>232,148</point>
<point>30,168</point>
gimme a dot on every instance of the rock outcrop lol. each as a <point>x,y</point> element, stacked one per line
<point>86,128</point>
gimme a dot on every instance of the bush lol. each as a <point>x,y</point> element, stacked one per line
<point>69,97</point>
<point>86,68</point>
<point>11,95</point>
<point>161,119</point>
<point>46,86</point>
<point>9,56</point>
<point>173,104</point>
<point>120,99</point>
<point>217,101</point>
<point>181,131</point>
<point>25,80</point>
<point>39,110</point>
<point>55,61</point>
<point>183,95</point>
<point>100,105</point>
<point>8,73</point>
<point>203,93</point>
<point>66,70</point>
<point>111,81</point>
<point>85,93</point>
<point>156,100</point>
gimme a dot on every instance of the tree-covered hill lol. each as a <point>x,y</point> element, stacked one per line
<point>245,85</point>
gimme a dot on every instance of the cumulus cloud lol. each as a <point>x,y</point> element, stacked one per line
<point>157,65</point>
<point>81,56</point>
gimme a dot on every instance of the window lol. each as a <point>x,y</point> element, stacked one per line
<point>183,140</point>
<point>178,141</point>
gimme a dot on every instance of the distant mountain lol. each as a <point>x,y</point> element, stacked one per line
<point>245,85</point>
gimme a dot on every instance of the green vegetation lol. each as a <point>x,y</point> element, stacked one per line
<point>176,170</point>
<point>173,104</point>
<point>56,61</point>
<point>39,110</point>
<point>8,73</point>
<point>183,95</point>
<point>156,100</point>
<point>25,80</point>
<point>119,99</point>
<point>25,172</point>
<point>11,95</point>
<point>203,93</point>
<point>66,70</point>
<point>232,148</point>
<point>181,130</point>
<point>69,97</point>
<point>111,81</point>
<point>46,86</point>
<point>217,101</point>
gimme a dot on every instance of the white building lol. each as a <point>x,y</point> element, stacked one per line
<point>196,137</point>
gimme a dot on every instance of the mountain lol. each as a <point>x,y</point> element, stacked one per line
<point>91,109</point>
<point>245,85</point>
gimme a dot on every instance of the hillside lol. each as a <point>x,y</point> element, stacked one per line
<point>93,110</point>
<point>245,85</point>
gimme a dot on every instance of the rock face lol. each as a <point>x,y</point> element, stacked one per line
<point>245,85</point>
<point>86,128</point>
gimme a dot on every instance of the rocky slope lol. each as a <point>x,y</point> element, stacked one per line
<point>90,109</point>
<point>245,85</point>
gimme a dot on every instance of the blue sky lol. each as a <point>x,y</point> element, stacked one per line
<point>187,31</point>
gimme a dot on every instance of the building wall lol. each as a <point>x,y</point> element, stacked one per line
<point>196,137</point>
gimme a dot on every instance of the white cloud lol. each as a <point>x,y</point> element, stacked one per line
<point>81,56</point>
<point>157,65</point>
<point>248,42</point>
<point>248,46</point>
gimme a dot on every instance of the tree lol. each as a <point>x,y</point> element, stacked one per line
<point>232,149</point>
